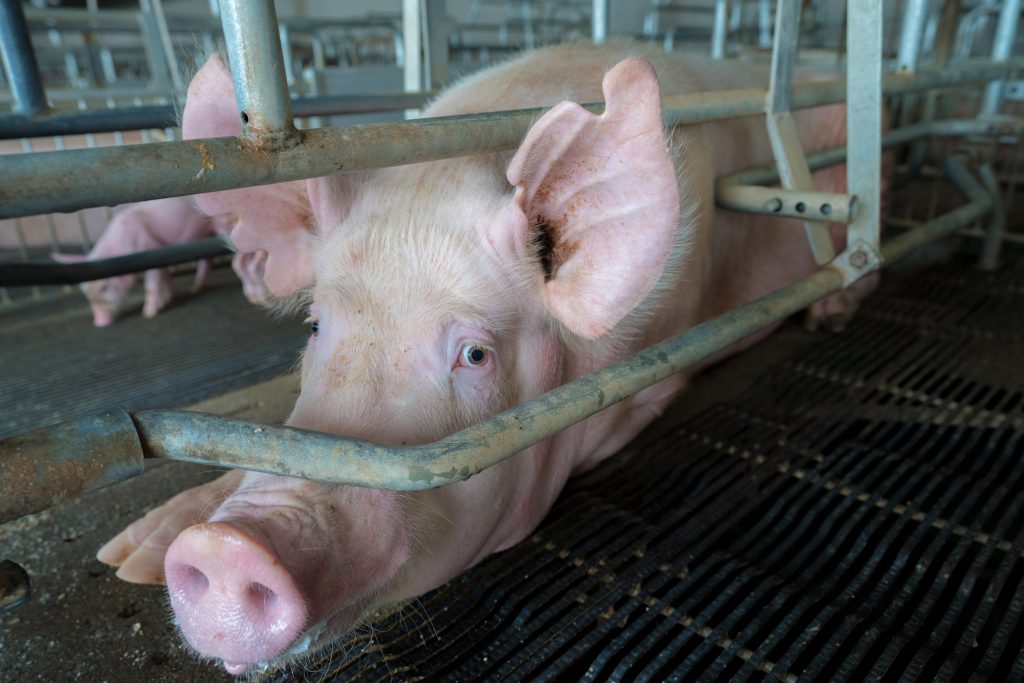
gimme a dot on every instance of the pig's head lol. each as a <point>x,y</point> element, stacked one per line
<point>438,294</point>
<point>106,297</point>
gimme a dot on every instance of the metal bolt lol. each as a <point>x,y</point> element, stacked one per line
<point>858,259</point>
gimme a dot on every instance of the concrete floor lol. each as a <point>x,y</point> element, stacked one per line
<point>83,624</point>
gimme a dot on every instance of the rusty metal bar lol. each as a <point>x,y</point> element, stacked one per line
<point>41,468</point>
<point>257,68</point>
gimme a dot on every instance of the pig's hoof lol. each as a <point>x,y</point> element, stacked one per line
<point>139,550</point>
<point>833,313</point>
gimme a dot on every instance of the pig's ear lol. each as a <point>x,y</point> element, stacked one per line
<point>604,190</point>
<point>275,218</point>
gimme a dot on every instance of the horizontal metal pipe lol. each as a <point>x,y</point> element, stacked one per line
<point>41,468</point>
<point>24,274</point>
<point>45,182</point>
<point>166,116</point>
<point>806,205</point>
<point>121,440</point>
<point>766,175</point>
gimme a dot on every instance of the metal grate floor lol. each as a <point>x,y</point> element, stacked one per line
<point>857,515</point>
<point>55,365</point>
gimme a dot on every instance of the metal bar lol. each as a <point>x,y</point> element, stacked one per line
<point>22,274</point>
<point>786,148</point>
<point>993,242</point>
<point>165,115</point>
<point>257,69</point>
<point>212,440</point>
<point>599,20</point>
<point>914,16</point>
<point>864,119</point>
<point>720,29</point>
<point>801,204</point>
<point>135,118</point>
<point>156,7</point>
<point>44,182</point>
<point>1002,48</point>
<point>20,60</point>
<point>413,47</point>
<point>81,456</point>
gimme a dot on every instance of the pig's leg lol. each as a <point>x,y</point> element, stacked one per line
<point>835,311</point>
<point>202,273</point>
<point>159,291</point>
<point>139,550</point>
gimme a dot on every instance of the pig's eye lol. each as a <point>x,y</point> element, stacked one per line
<point>313,324</point>
<point>474,355</point>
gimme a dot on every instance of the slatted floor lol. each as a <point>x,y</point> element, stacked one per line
<point>55,366</point>
<point>857,515</point>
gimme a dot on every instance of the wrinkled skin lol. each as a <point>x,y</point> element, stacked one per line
<point>446,292</point>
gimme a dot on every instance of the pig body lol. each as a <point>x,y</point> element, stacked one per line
<point>446,292</point>
<point>140,227</point>
<point>151,225</point>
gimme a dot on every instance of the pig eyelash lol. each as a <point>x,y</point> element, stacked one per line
<point>313,324</point>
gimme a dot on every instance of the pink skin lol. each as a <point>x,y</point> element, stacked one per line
<point>134,228</point>
<point>431,309</point>
<point>154,224</point>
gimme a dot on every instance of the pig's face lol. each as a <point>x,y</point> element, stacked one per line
<point>414,321</point>
<point>107,297</point>
<point>440,294</point>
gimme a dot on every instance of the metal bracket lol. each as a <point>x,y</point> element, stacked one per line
<point>859,259</point>
<point>789,155</point>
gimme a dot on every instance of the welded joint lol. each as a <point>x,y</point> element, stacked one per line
<point>859,259</point>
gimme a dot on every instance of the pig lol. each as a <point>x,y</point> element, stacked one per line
<point>150,225</point>
<point>441,293</point>
<point>138,227</point>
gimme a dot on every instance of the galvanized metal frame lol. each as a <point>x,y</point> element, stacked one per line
<point>789,155</point>
<point>208,439</point>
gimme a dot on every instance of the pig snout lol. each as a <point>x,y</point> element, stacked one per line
<point>281,564</point>
<point>234,597</point>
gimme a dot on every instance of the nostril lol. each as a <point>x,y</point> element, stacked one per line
<point>262,596</point>
<point>188,581</point>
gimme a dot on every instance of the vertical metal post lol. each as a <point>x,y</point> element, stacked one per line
<point>789,155</point>
<point>864,118</point>
<point>1006,32</point>
<point>599,21</point>
<point>914,17</point>
<point>156,8</point>
<point>764,24</point>
<point>257,69</point>
<point>436,30</point>
<point>413,49</point>
<point>719,30</point>
<point>20,60</point>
